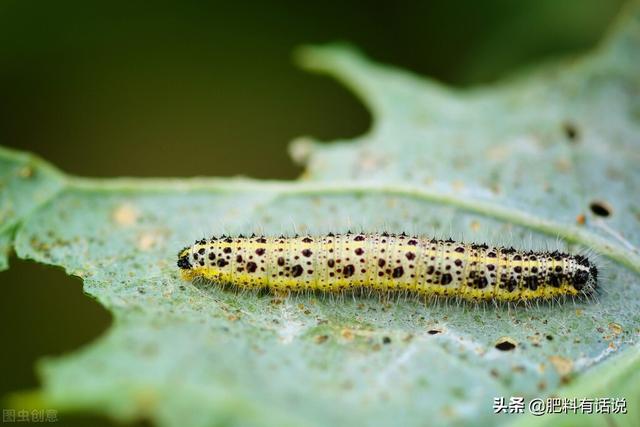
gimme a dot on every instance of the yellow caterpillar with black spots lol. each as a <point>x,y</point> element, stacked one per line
<point>388,262</point>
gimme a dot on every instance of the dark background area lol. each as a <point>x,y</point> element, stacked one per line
<point>209,88</point>
<point>137,88</point>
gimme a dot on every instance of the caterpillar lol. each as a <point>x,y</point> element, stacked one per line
<point>388,262</point>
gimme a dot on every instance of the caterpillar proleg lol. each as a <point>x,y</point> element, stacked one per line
<point>388,262</point>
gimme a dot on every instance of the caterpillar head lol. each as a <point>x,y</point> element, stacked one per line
<point>585,278</point>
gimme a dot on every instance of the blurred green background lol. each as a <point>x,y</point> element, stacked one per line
<point>209,88</point>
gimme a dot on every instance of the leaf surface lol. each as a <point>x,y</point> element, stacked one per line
<point>519,162</point>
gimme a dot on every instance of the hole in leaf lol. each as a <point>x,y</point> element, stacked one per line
<point>505,344</point>
<point>600,208</point>
<point>571,131</point>
<point>48,315</point>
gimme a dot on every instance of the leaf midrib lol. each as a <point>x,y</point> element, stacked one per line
<point>491,209</point>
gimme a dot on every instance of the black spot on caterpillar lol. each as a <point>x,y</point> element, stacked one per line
<point>387,262</point>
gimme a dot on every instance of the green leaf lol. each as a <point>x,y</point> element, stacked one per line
<point>515,162</point>
<point>618,377</point>
<point>26,183</point>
